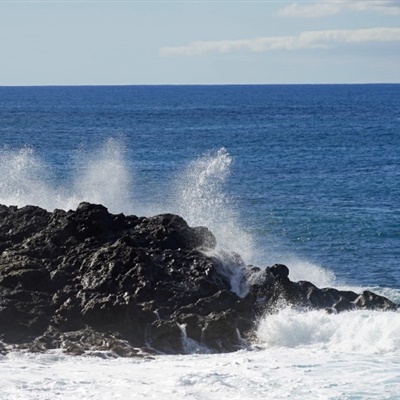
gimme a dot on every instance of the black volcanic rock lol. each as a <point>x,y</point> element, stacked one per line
<point>90,280</point>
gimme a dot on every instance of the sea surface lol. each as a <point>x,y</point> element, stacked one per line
<point>306,175</point>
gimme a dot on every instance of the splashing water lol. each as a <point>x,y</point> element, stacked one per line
<point>201,200</point>
<point>25,179</point>
<point>301,270</point>
<point>367,332</point>
<point>201,192</point>
<point>100,177</point>
<point>105,178</point>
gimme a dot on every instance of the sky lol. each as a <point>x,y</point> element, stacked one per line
<point>75,42</point>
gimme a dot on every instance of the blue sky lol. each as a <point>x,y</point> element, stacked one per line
<point>199,42</point>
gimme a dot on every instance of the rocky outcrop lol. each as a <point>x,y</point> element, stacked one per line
<point>88,280</point>
<point>273,288</point>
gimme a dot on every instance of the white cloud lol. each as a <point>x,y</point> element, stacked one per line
<point>310,11</point>
<point>305,40</point>
<point>388,7</point>
<point>332,7</point>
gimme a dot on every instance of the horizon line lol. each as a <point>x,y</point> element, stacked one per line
<point>199,84</point>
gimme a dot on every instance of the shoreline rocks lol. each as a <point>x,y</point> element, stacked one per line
<point>89,280</point>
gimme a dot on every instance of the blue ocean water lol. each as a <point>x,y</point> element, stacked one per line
<point>296,172</point>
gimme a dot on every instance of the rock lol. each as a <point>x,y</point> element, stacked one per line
<point>89,280</point>
<point>371,301</point>
<point>89,269</point>
<point>279,271</point>
<point>220,332</point>
<point>344,304</point>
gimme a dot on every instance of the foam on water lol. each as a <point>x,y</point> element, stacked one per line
<point>272,373</point>
<point>365,332</point>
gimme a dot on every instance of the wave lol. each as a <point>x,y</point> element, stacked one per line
<point>367,332</point>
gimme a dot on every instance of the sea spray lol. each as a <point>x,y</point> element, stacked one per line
<point>101,176</point>
<point>26,179</point>
<point>201,199</point>
<point>104,177</point>
<point>300,270</point>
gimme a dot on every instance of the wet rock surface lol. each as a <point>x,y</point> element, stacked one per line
<point>88,280</point>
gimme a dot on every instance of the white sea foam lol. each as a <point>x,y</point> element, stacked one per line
<point>275,372</point>
<point>366,332</point>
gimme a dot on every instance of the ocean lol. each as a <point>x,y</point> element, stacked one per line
<point>305,175</point>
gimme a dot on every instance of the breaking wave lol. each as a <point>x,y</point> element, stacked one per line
<point>367,332</point>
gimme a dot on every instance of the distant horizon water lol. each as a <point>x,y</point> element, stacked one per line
<point>77,85</point>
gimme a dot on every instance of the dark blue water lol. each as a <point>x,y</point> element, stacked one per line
<point>315,169</point>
